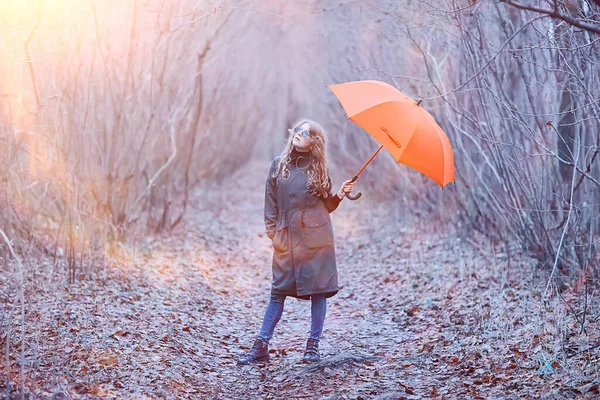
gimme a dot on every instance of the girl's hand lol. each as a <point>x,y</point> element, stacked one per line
<point>345,188</point>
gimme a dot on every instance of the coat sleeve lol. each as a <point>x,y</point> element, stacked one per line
<point>332,201</point>
<point>271,201</point>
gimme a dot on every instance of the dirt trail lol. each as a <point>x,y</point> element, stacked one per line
<point>413,319</point>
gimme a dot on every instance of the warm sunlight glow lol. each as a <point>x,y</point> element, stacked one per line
<point>29,33</point>
<point>46,47</point>
<point>29,11</point>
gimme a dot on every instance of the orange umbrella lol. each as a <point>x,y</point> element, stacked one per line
<point>400,125</point>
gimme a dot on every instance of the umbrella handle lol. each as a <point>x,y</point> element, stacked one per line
<point>354,198</point>
<point>359,172</point>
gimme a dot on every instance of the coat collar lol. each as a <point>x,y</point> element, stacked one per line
<point>300,159</point>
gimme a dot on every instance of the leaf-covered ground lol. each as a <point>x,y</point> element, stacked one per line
<point>422,314</point>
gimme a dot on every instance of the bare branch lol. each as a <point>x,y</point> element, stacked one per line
<point>556,14</point>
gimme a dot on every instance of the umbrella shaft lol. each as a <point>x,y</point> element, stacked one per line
<point>367,163</point>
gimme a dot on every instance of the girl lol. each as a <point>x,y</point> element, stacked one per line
<point>298,201</point>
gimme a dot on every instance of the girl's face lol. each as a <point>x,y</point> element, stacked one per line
<point>302,139</point>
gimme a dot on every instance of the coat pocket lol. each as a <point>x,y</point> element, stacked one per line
<point>280,240</point>
<point>317,228</point>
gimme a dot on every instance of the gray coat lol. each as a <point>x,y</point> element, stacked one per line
<point>299,225</point>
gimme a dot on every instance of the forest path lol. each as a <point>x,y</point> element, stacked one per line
<point>173,316</point>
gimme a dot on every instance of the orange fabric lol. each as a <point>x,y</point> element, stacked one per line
<point>404,128</point>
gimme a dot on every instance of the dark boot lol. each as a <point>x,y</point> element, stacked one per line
<point>311,354</point>
<point>259,352</point>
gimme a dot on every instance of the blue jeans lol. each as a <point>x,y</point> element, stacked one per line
<point>275,308</point>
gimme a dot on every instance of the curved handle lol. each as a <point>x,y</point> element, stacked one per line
<point>354,198</point>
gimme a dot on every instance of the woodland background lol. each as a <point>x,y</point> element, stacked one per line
<point>135,138</point>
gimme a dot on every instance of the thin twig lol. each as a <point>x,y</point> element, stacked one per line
<point>465,83</point>
<point>564,232</point>
<point>162,168</point>
<point>585,350</point>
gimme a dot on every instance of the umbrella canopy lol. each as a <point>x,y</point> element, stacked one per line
<point>400,125</point>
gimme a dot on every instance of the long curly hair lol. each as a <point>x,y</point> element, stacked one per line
<point>318,182</point>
